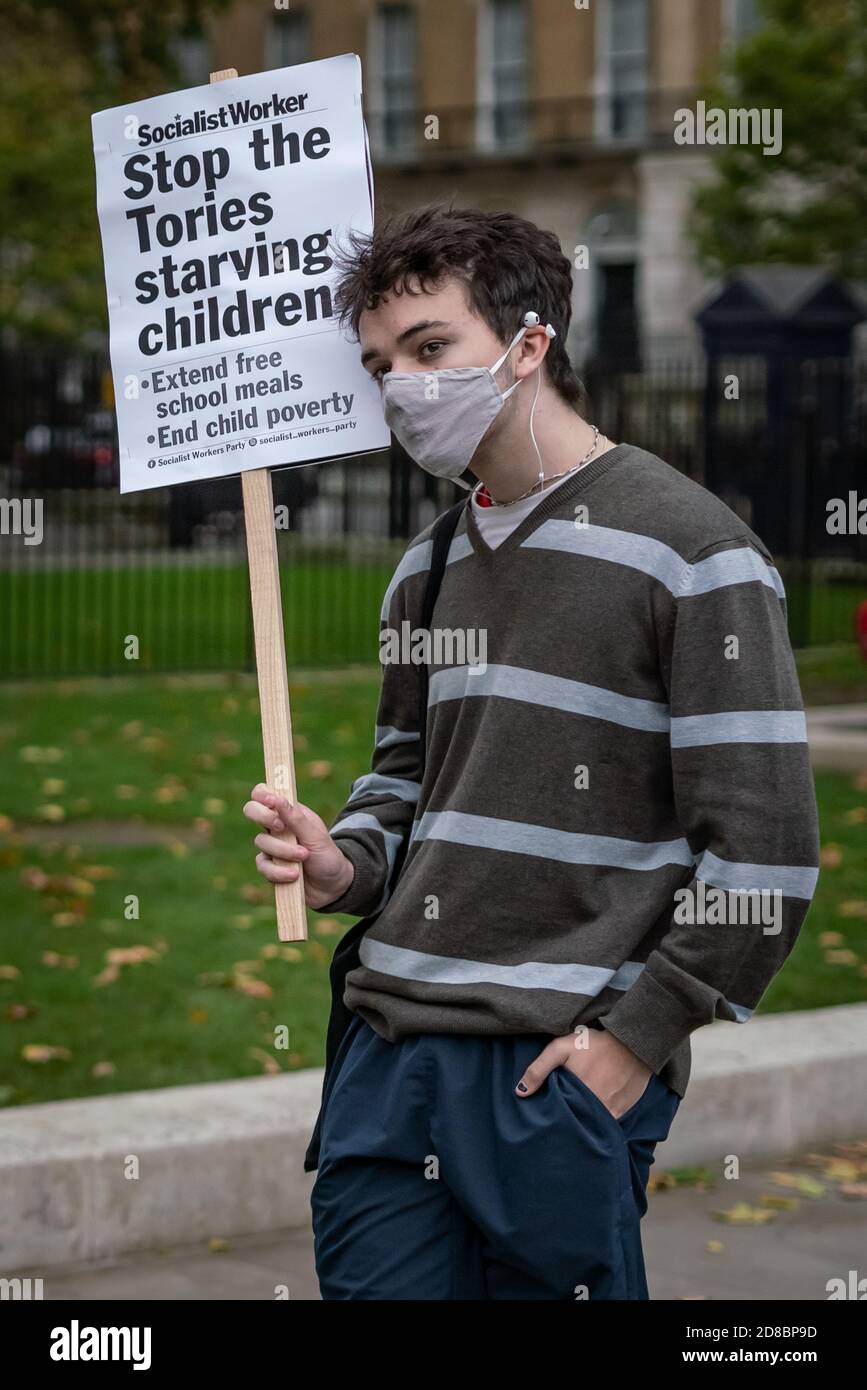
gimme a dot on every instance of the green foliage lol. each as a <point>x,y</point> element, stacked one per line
<point>62,61</point>
<point>111,37</point>
<point>808,204</point>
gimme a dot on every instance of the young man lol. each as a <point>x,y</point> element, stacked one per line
<point>592,801</point>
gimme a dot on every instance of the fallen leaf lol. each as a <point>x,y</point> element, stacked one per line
<point>9,972</point>
<point>107,976</point>
<point>256,989</point>
<point>854,908</point>
<point>841,958</point>
<point>19,1013</point>
<point>217,1245</point>
<point>154,743</point>
<point>810,1187</point>
<point>53,958</point>
<point>742,1214</point>
<point>842,1170</point>
<point>44,1052</point>
<point>33,754</point>
<point>82,887</point>
<point>34,877</point>
<point>103,1069</point>
<point>273,952</point>
<point>130,955</point>
<point>830,857</point>
<point>170,792</point>
<point>320,768</point>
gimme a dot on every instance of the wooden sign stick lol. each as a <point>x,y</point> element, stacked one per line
<point>271,664</point>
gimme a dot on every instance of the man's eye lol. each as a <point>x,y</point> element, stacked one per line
<point>379,373</point>
<point>435,344</point>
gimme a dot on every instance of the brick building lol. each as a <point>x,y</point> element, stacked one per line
<point>561,110</point>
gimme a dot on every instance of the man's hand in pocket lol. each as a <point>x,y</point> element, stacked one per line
<point>606,1066</point>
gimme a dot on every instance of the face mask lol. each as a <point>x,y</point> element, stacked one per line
<point>441,422</point>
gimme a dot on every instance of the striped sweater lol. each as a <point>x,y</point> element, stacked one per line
<point>616,820</point>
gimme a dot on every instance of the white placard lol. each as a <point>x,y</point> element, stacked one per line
<point>220,208</point>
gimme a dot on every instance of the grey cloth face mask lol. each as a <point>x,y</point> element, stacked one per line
<point>441,417</point>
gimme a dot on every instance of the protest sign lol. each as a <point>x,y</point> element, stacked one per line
<point>219,209</point>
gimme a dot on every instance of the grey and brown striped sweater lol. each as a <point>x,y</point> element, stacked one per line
<point>636,731</point>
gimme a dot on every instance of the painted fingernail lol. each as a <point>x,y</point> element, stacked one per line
<point>520,1086</point>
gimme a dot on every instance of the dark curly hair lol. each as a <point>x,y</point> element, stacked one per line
<point>507,264</point>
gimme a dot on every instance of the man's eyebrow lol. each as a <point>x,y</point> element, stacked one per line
<point>421,327</point>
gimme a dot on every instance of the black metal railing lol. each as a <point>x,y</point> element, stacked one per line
<point>509,129</point>
<point>168,566</point>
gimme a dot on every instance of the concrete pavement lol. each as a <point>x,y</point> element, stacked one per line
<point>791,1257</point>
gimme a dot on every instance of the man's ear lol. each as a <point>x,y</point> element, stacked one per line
<point>533,351</point>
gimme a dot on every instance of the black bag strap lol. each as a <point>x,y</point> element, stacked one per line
<point>346,956</point>
<point>441,539</point>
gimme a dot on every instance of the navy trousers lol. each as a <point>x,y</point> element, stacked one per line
<point>437,1181</point>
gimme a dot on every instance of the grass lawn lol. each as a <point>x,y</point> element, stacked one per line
<point>201,983</point>
<point>195,616</point>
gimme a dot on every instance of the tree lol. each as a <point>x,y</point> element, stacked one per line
<point>807,204</point>
<point>114,39</point>
<point>62,61</point>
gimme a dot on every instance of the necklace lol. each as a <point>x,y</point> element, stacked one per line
<point>574,469</point>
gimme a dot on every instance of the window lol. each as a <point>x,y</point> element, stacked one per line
<point>623,68</point>
<point>288,39</point>
<point>508,50</point>
<point>501,119</point>
<point>394,69</point>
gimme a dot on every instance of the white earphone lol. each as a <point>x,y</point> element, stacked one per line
<point>531,319</point>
